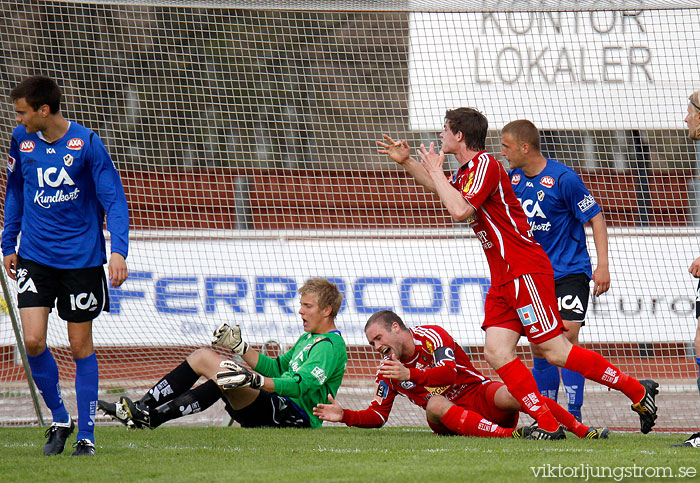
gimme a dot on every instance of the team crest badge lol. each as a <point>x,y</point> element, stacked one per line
<point>11,163</point>
<point>429,346</point>
<point>540,195</point>
<point>68,160</point>
<point>469,183</point>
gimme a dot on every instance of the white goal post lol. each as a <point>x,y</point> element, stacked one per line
<point>244,133</point>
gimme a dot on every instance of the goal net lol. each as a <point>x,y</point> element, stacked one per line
<point>244,133</point>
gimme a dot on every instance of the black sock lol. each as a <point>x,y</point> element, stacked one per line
<point>193,401</point>
<point>176,382</point>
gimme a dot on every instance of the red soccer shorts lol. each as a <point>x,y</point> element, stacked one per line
<point>480,398</point>
<point>526,305</point>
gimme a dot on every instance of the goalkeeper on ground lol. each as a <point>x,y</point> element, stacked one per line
<point>279,392</point>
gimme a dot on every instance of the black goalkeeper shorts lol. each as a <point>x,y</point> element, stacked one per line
<point>271,411</point>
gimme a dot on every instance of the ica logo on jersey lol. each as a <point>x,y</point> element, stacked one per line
<point>49,177</point>
<point>54,178</point>
<point>533,211</point>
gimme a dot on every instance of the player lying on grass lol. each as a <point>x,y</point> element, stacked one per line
<point>280,393</point>
<point>426,365</point>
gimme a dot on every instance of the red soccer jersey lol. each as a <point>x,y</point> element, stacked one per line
<point>499,223</point>
<point>438,366</point>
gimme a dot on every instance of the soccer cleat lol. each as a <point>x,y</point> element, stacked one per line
<point>646,408</point>
<point>116,411</point>
<point>138,416</point>
<point>84,447</point>
<point>58,434</point>
<point>522,432</point>
<point>538,433</point>
<point>692,442</point>
<point>597,433</point>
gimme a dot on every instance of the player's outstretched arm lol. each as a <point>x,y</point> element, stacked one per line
<point>329,412</point>
<point>400,152</point>
<point>10,263</point>
<point>601,274</point>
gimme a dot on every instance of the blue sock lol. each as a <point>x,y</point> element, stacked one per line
<point>45,375</point>
<point>86,382</point>
<point>573,385</point>
<point>697,360</point>
<point>547,377</point>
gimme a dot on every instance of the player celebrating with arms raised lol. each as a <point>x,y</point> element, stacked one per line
<point>521,299</point>
<point>557,205</point>
<point>60,183</point>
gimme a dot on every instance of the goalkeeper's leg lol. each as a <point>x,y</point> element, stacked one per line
<point>175,383</point>
<point>193,401</point>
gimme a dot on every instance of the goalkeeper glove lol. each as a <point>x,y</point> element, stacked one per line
<point>230,338</point>
<point>236,375</point>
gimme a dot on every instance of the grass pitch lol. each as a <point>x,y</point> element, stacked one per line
<point>174,454</point>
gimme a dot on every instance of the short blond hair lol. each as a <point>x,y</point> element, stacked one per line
<point>523,131</point>
<point>326,292</point>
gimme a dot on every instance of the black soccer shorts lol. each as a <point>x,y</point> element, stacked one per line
<point>80,294</point>
<point>270,410</point>
<point>572,293</point>
<point>697,301</point>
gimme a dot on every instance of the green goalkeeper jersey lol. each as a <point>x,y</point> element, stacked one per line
<point>309,371</point>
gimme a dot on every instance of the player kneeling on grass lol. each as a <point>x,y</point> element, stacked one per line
<point>425,364</point>
<point>280,393</point>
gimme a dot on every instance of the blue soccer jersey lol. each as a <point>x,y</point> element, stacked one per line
<point>57,196</point>
<point>557,205</point>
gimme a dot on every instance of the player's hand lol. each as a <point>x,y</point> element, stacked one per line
<point>393,369</point>
<point>230,338</point>
<point>396,150</point>
<point>601,281</point>
<point>329,412</point>
<point>117,269</point>
<point>10,263</point>
<point>234,375</point>
<point>432,161</point>
<point>694,267</point>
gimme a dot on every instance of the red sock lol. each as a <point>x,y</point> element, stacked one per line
<point>523,387</point>
<point>566,418</point>
<point>470,423</point>
<point>593,366</point>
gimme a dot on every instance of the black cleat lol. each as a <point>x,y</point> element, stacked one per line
<point>116,411</point>
<point>138,416</point>
<point>646,408</point>
<point>522,433</point>
<point>538,433</point>
<point>692,442</point>
<point>58,434</point>
<point>84,447</point>
<point>597,433</point>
